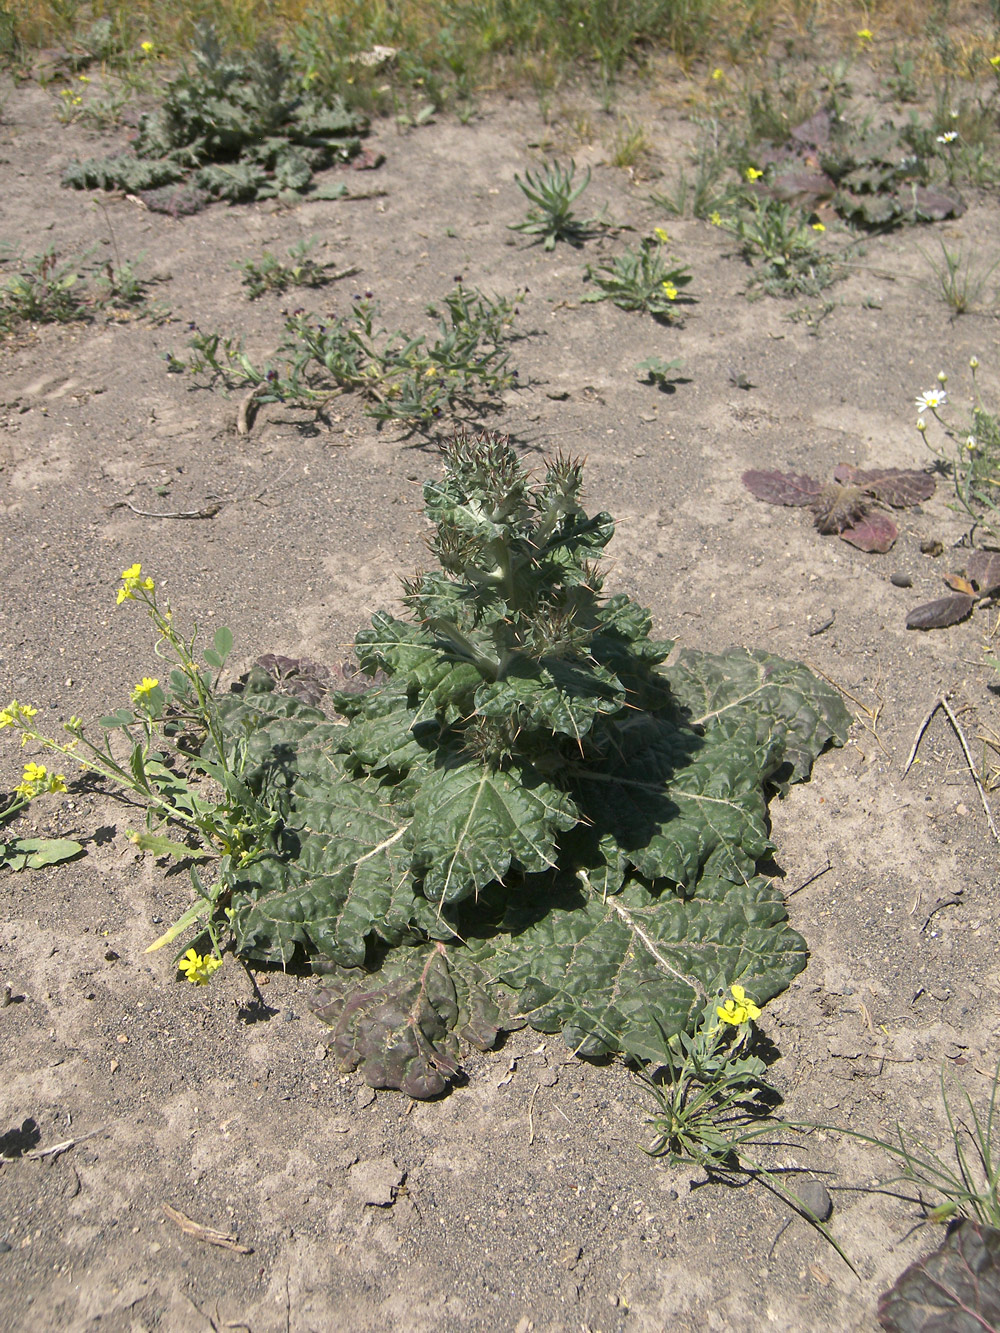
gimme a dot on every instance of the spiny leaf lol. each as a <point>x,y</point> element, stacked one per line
<point>471,823</point>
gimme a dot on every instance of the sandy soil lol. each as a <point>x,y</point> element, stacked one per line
<point>522,1201</point>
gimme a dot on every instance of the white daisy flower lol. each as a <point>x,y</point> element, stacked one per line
<point>931,400</point>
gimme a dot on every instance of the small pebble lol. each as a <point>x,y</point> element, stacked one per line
<point>899,580</point>
<point>814,1197</point>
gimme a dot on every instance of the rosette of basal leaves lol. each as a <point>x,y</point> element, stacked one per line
<point>532,818</point>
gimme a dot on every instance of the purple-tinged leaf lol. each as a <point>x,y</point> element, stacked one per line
<point>814,132</point>
<point>983,568</point>
<point>875,532</point>
<point>943,611</point>
<point>781,488</point>
<point>954,1290</point>
<point>899,487</point>
<point>934,205</point>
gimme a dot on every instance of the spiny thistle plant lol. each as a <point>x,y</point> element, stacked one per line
<point>526,816</point>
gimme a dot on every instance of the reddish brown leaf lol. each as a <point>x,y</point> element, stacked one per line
<point>781,488</point>
<point>935,204</point>
<point>875,532</point>
<point>943,611</point>
<point>983,568</point>
<point>802,187</point>
<point>815,131</point>
<point>957,584</point>
<point>899,487</point>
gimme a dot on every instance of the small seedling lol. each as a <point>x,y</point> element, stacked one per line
<point>660,372</point>
<point>641,279</point>
<point>553,193</point>
<point>45,291</point>
<point>269,274</point>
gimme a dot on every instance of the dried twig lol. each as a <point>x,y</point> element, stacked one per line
<point>919,737</point>
<point>942,702</point>
<point>207,1234</point>
<point>56,1148</point>
<point>531,1120</point>
<point>206,511</point>
<point>972,767</point>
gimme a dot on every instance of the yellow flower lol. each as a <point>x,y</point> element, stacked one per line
<point>995,61</point>
<point>753,174</point>
<point>15,712</point>
<point>661,235</point>
<point>146,48</point>
<point>818,226</point>
<point>740,1009</point>
<point>864,35</point>
<point>715,219</point>
<point>717,74</point>
<point>83,78</point>
<point>133,581</point>
<point>670,290</point>
<point>145,686</point>
<point>36,778</point>
<point>198,969</point>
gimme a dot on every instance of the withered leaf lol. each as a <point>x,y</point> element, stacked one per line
<point>803,186</point>
<point>781,488</point>
<point>936,204</point>
<point>899,487</point>
<point>983,568</point>
<point>815,131</point>
<point>957,584</point>
<point>874,532</point>
<point>943,611</point>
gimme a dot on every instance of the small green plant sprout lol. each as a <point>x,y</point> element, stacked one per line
<point>44,291</point>
<point>642,279</point>
<point>31,853</point>
<point>553,193</point>
<point>961,277</point>
<point>660,373</point>
<point>705,192</point>
<point>269,274</point>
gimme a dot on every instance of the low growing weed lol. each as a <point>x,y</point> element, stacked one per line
<point>970,454</point>
<point>642,279</point>
<point>51,290</point>
<point>404,377</point>
<point>269,274</point>
<point>961,277</point>
<point>31,853</point>
<point>781,245</point>
<point>507,824</point>
<point>553,193</point>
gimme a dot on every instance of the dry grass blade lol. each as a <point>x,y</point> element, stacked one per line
<point>206,1234</point>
